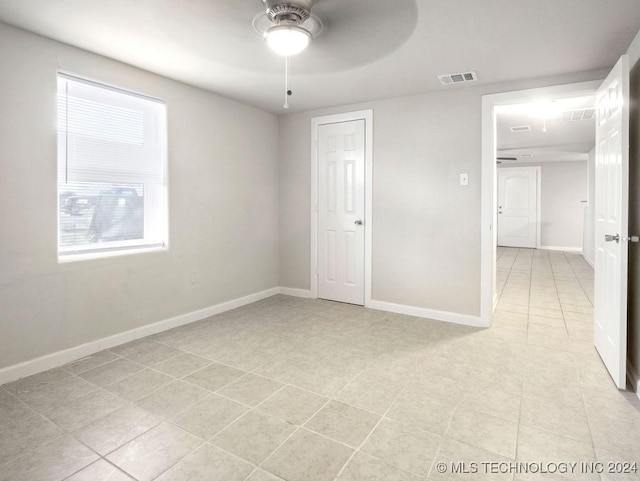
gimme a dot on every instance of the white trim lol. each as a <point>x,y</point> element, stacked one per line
<point>634,378</point>
<point>402,309</point>
<point>488,236</point>
<point>291,291</point>
<point>487,212</point>
<point>589,261</point>
<point>560,248</point>
<point>465,319</point>
<point>56,359</point>
<point>454,317</point>
<point>538,205</point>
<point>125,251</point>
<point>367,116</point>
<point>107,86</point>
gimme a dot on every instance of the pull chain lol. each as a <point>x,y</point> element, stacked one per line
<point>287,92</point>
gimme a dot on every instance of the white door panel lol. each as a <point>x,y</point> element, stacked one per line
<point>611,209</point>
<point>518,207</point>
<point>341,196</point>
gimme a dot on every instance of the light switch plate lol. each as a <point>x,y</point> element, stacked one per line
<point>464,179</point>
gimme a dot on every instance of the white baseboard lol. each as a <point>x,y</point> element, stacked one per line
<point>403,309</point>
<point>291,291</point>
<point>59,358</point>
<point>454,317</point>
<point>634,378</point>
<point>558,248</point>
<point>589,261</point>
<point>56,359</point>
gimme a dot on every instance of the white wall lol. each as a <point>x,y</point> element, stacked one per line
<point>426,228</point>
<point>562,188</point>
<point>589,233</point>
<point>223,203</point>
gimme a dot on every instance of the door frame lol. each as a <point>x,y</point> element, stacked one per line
<point>367,116</point>
<point>488,235</point>
<point>538,170</point>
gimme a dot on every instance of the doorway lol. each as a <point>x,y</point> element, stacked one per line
<point>610,202</point>
<point>489,240</point>
<point>341,220</point>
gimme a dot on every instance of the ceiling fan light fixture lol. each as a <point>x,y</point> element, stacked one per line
<point>287,40</point>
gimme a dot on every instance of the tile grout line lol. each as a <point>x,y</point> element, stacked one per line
<point>583,396</point>
<point>384,416</point>
<point>333,397</point>
<point>523,380</point>
<point>161,419</point>
<point>298,428</point>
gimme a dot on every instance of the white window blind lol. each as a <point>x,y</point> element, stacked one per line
<point>111,169</point>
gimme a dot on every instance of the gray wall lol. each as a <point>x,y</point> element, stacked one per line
<point>426,228</point>
<point>223,208</point>
<point>239,201</point>
<point>589,233</point>
<point>563,185</point>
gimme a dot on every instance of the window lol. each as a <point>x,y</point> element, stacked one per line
<point>112,189</point>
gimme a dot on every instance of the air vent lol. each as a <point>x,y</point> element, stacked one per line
<point>458,78</point>
<point>573,115</point>
<point>521,128</point>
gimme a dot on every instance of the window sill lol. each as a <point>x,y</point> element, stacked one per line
<point>64,258</point>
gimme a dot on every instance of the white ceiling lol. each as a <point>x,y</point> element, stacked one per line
<point>370,49</point>
<point>550,139</point>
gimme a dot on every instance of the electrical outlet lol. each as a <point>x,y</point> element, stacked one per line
<point>195,278</point>
<point>464,179</point>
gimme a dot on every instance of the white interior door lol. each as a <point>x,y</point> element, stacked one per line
<point>341,196</point>
<point>518,207</point>
<point>611,211</point>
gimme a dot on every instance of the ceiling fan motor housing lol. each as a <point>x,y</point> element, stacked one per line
<point>296,11</point>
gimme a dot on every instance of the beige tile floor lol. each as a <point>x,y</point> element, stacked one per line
<point>307,390</point>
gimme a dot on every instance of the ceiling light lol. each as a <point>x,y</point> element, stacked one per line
<point>546,110</point>
<point>287,40</point>
<point>287,27</point>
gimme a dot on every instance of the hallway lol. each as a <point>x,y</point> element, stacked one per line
<point>548,294</point>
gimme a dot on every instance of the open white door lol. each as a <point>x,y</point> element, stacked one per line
<point>611,211</point>
<point>518,207</point>
<point>341,209</point>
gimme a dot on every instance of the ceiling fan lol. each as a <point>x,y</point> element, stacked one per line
<point>357,37</point>
<point>288,26</point>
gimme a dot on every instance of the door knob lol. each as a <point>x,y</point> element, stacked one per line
<point>611,238</point>
<point>358,222</point>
